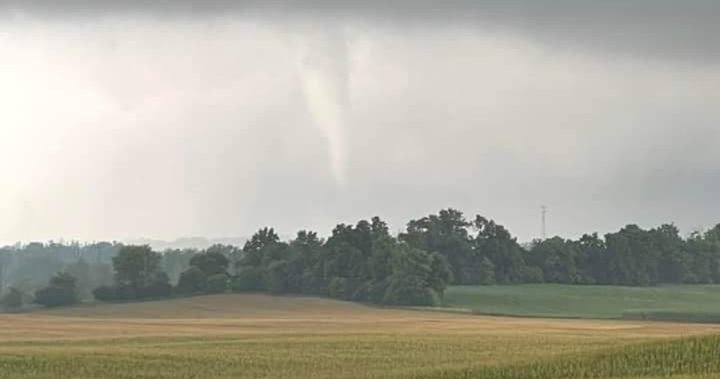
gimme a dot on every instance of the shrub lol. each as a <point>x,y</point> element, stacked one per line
<point>54,296</point>
<point>105,293</point>
<point>62,290</point>
<point>193,280</point>
<point>13,299</point>
<point>125,292</point>
<point>248,279</point>
<point>216,283</point>
<point>158,287</point>
<point>407,290</point>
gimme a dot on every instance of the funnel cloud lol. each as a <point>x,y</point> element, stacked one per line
<point>323,70</point>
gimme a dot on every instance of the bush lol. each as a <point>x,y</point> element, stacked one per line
<point>13,299</point>
<point>159,287</point>
<point>54,296</point>
<point>105,293</point>
<point>407,290</point>
<point>125,292</point>
<point>248,279</point>
<point>61,291</point>
<point>193,280</point>
<point>216,283</point>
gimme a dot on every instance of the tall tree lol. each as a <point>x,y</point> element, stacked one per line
<point>211,262</point>
<point>5,260</point>
<point>674,260</point>
<point>258,246</point>
<point>137,267</point>
<point>447,234</point>
<point>497,244</point>
<point>633,260</point>
<point>556,257</point>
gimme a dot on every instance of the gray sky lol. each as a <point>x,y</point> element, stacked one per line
<point>127,119</point>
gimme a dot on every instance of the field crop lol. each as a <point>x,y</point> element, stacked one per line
<point>253,336</point>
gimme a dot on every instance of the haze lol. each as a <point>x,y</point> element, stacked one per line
<point>167,119</point>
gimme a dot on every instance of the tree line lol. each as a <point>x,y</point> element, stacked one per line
<point>483,252</point>
<point>364,262</point>
<point>361,263</point>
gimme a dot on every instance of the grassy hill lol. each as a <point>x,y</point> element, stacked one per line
<point>550,300</point>
<point>257,336</point>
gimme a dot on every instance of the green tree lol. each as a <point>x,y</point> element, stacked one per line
<point>136,267</point>
<point>496,243</point>
<point>259,245</point>
<point>305,268</point>
<point>217,283</point>
<point>674,260</point>
<point>211,262</point>
<point>13,299</point>
<point>175,261</point>
<point>137,276</point>
<point>556,258</point>
<point>192,280</point>
<point>276,277</point>
<point>158,287</point>
<point>486,272</point>
<point>418,278</point>
<point>61,291</point>
<point>592,259</point>
<point>248,279</point>
<point>447,234</point>
<point>633,260</point>
<point>81,271</point>
<point>5,260</point>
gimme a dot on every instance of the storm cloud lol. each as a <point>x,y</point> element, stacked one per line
<point>126,119</point>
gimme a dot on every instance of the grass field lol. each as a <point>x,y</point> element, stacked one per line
<point>254,336</point>
<point>551,300</point>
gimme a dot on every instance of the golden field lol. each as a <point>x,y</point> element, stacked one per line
<point>257,336</point>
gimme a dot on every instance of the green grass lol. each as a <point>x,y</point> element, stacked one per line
<point>676,303</point>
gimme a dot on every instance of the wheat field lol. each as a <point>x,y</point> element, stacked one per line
<point>256,336</point>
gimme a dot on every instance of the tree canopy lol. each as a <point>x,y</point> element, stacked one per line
<point>364,262</point>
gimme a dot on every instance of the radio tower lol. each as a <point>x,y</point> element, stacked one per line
<point>543,212</point>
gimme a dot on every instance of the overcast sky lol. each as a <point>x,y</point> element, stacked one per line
<point>162,119</point>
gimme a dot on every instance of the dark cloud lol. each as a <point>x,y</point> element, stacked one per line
<point>317,112</point>
<point>664,29</point>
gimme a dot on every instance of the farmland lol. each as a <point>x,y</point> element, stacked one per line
<point>255,336</point>
<point>678,302</point>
